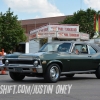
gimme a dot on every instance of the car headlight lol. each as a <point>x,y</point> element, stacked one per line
<point>6,62</point>
<point>36,63</point>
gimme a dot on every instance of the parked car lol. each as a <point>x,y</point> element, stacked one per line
<point>55,59</point>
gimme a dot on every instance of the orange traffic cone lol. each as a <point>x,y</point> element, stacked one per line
<point>3,72</point>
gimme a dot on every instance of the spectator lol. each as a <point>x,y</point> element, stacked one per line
<point>0,58</point>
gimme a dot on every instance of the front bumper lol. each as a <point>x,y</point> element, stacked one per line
<point>1,66</point>
<point>23,68</point>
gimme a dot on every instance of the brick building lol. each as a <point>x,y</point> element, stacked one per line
<point>31,24</point>
<point>40,29</point>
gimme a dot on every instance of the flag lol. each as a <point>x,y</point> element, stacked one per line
<point>95,22</point>
<point>97,27</point>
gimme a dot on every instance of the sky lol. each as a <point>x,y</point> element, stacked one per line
<point>33,9</point>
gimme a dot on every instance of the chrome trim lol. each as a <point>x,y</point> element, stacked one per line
<point>38,68</point>
<point>19,58</point>
<point>71,48</point>
<point>54,72</point>
<point>30,66</point>
<point>76,72</point>
<point>2,66</point>
<point>88,49</point>
<point>19,65</point>
<point>79,43</point>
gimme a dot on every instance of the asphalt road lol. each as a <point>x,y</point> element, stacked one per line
<point>84,87</point>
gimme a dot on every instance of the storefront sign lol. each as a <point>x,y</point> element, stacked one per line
<point>46,34</point>
<point>84,36</point>
<point>32,36</point>
<point>41,29</point>
<point>55,28</point>
<point>66,35</point>
<point>58,31</point>
<point>64,28</point>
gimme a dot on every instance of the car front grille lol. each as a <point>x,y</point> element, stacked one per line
<point>20,61</point>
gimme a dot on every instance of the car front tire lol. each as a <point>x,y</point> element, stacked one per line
<point>98,73</point>
<point>52,73</point>
<point>16,76</point>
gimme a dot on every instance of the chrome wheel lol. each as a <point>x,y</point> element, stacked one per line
<point>54,72</point>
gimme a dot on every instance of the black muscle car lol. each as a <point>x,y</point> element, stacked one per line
<point>55,59</point>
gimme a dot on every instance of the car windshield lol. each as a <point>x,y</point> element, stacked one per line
<point>59,47</point>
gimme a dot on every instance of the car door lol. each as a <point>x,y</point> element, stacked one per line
<point>95,58</point>
<point>82,60</point>
<point>64,55</point>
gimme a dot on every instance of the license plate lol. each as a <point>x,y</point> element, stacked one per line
<point>18,69</point>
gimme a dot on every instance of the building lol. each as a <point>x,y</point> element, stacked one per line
<point>49,29</point>
<point>31,24</point>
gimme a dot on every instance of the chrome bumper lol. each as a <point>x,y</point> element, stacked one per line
<point>23,68</point>
<point>1,66</point>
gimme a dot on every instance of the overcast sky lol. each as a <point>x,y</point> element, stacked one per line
<point>30,9</point>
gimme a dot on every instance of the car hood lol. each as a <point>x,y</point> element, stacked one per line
<point>21,55</point>
<point>41,55</point>
<point>33,55</point>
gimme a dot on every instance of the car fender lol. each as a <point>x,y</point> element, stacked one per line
<point>56,61</point>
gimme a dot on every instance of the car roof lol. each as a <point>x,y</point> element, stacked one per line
<point>95,46</point>
<point>70,42</point>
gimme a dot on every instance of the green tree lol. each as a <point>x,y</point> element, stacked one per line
<point>85,19</point>
<point>11,32</point>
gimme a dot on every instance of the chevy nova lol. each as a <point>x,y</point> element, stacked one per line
<point>55,59</point>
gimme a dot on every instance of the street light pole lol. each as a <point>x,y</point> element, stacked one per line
<point>80,4</point>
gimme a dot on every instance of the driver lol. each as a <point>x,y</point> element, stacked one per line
<point>76,51</point>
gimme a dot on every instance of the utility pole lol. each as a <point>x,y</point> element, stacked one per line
<point>80,4</point>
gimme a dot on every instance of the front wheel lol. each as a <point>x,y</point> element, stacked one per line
<point>52,73</point>
<point>16,76</point>
<point>98,73</point>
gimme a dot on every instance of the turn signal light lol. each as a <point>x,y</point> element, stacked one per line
<point>34,70</point>
<point>5,68</point>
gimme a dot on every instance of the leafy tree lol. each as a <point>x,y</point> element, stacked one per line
<point>11,32</point>
<point>85,19</point>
